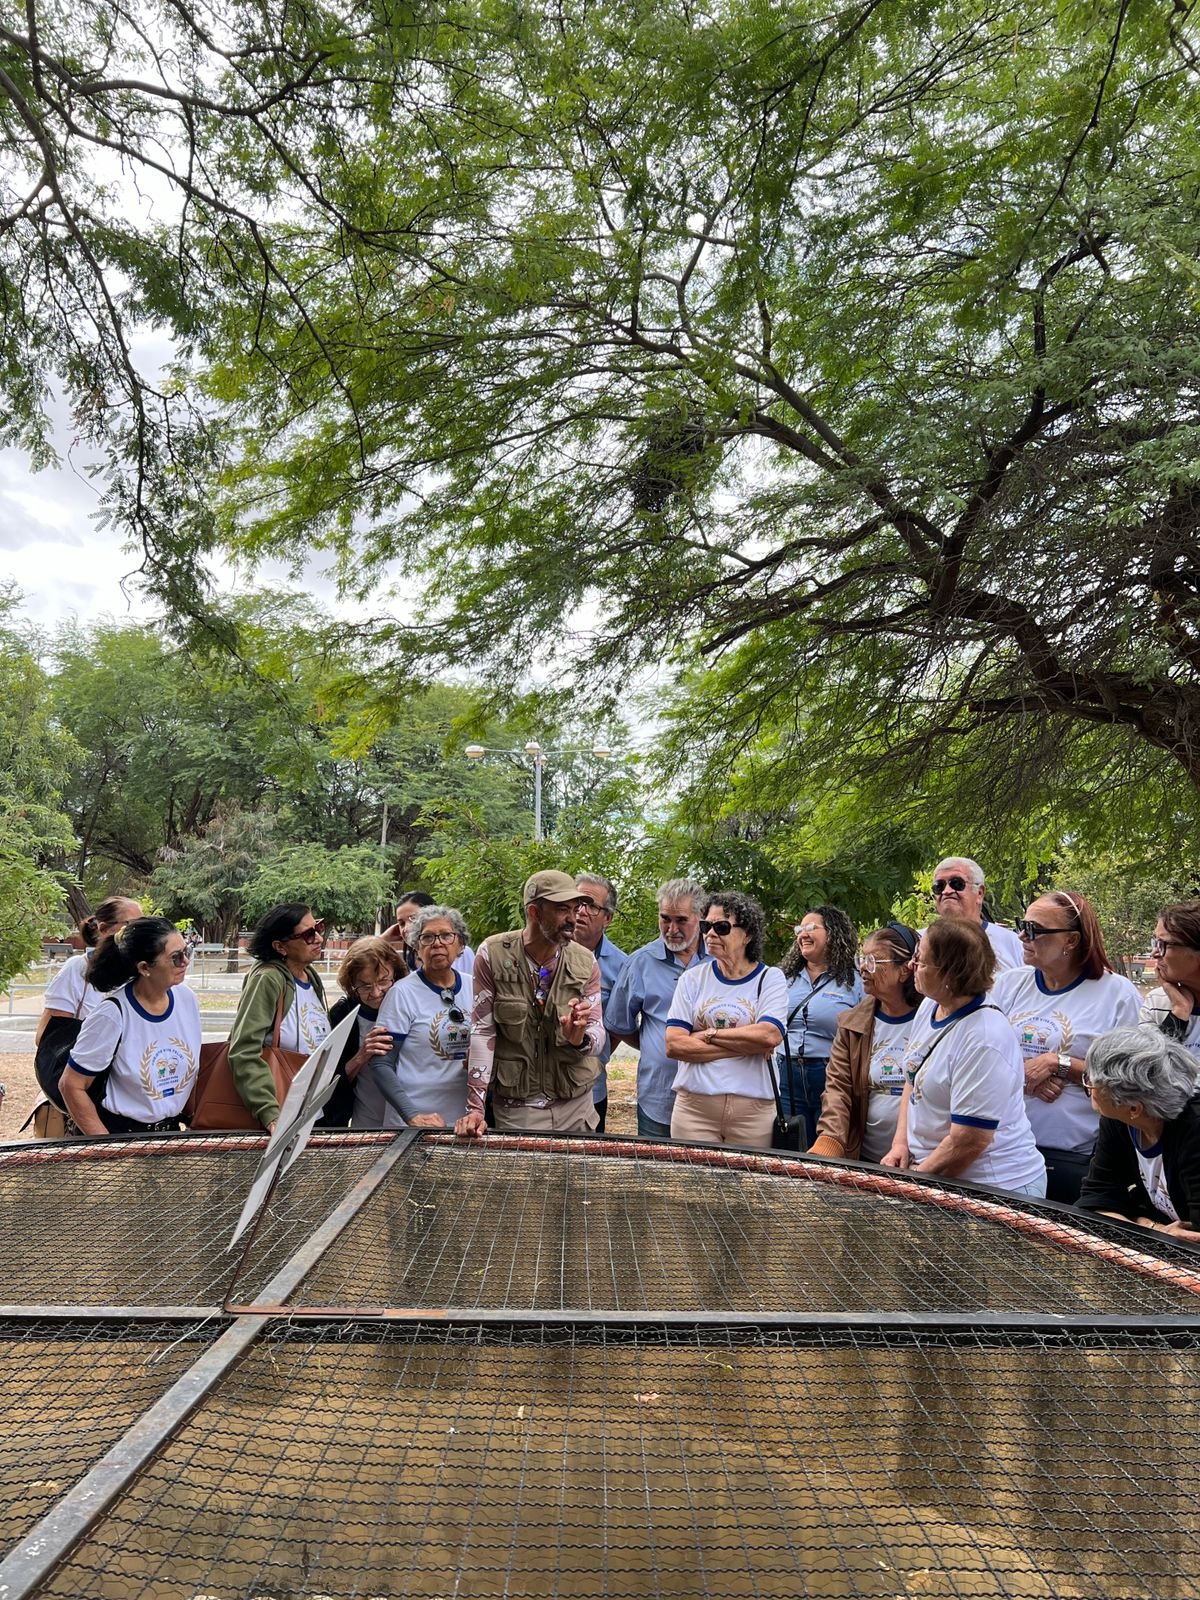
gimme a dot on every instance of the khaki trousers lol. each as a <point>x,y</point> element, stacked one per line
<point>577,1115</point>
<point>723,1119</point>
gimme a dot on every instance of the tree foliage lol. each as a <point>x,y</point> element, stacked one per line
<point>855,350</point>
<point>35,757</point>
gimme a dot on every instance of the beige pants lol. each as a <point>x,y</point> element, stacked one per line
<point>564,1116</point>
<point>723,1119</point>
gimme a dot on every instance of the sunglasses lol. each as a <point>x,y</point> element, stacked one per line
<point>309,935</point>
<point>721,929</point>
<point>455,1012</point>
<point>954,881</point>
<point>180,958</point>
<point>545,978</point>
<point>1035,930</point>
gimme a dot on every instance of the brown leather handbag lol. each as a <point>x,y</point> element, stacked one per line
<point>215,1104</point>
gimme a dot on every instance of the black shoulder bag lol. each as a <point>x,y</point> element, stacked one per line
<point>53,1049</point>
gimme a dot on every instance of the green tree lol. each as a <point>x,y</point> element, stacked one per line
<point>344,886</point>
<point>205,876</point>
<point>855,349</point>
<point>35,758</point>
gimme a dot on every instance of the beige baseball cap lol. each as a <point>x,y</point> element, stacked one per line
<point>551,886</point>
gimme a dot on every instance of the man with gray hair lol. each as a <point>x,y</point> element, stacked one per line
<point>640,1003</point>
<point>1146,1166</point>
<point>958,891</point>
<point>593,917</point>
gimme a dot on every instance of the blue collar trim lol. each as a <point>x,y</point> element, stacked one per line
<point>1066,989</point>
<point>437,988</point>
<point>141,1010</point>
<point>732,982</point>
<point>963,1011</point>
<point>886,1016</point>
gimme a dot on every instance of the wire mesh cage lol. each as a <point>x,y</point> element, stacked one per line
<point>594,1368</point>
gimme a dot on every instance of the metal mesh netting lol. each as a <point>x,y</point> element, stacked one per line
<point>547,1438</point>
<point>67,1392</point>
<point>425,1463</point>
<point>474,1227</point>
<point>150,1228</point>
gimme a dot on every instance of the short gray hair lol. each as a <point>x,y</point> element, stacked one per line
<point>682,889</point>
<point>609,887</point>
<point>428,914</point>
<point>1141,1065</point>
<point>973,867</point>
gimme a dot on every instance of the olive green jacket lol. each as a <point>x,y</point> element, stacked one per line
<point>253,1029</point>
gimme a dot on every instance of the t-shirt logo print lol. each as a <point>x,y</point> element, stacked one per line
<point>165,1067</point>
<point>1036,1032</point>
<point>448,1039</point>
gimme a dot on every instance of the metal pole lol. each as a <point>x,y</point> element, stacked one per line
<point>382,846</point>
<point>537,796</point>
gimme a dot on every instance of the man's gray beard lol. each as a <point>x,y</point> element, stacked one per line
<point>676,941</point>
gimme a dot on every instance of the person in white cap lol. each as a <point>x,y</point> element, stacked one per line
<point>537,1028</point>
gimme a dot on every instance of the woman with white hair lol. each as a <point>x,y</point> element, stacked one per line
<point>422,1082</point>
<point>1146,1167</point>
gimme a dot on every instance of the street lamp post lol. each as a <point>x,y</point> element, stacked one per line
<point>476,752</point>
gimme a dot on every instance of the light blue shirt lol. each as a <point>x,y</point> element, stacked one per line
<point>640,1004</point>
<point>611,961</point>
<point>824,1003</point>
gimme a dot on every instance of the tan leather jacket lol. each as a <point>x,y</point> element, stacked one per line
<point>844,1105</point>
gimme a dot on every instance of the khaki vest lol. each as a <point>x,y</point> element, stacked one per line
<point>531,1055</point>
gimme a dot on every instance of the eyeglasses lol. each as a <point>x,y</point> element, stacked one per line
<point>375,986</point>
<point>810,928</point>
<point>584,904</point>
<point>1159,947</point>
<point>180,958</point>
<point>1035,930</point>
<point>437,938</point>
<point>722,929</point>
<point>870,964</point>
<point>309,935</point>
<point>955,881</point>
<point>455,1012</point>
<point>1086,1083</point>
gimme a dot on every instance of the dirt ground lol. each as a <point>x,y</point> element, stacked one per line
<point>16,1073</point>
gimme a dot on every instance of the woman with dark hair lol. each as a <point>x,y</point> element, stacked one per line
<point>1174,1008</point>
<point>369,969</point>
<point>823,983</point>
<point>284,984</point>
<point>1064,996</point>
<point>962,1113</point>
<point>726,1019</point>
<point>69,994</point>
<point>865,1078</point>
<point>132,1067</point>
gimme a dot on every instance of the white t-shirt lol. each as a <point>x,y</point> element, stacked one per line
<point>430,1060</point>
<point>305,1022</point>
<point>1150,1170</point>
<point>974,1078</point>
<point>1064,1021</point>
<point>1010,952</point>
<point>1156,1006</point>
<point>705,999</point>
<point>885,1079</point>
<point>156,1058</point>
<point>70,991</point>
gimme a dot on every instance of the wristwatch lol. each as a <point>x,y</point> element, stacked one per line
<point>1064,1066</point>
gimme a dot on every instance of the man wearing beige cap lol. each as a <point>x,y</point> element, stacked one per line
<point>537,1028</point>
